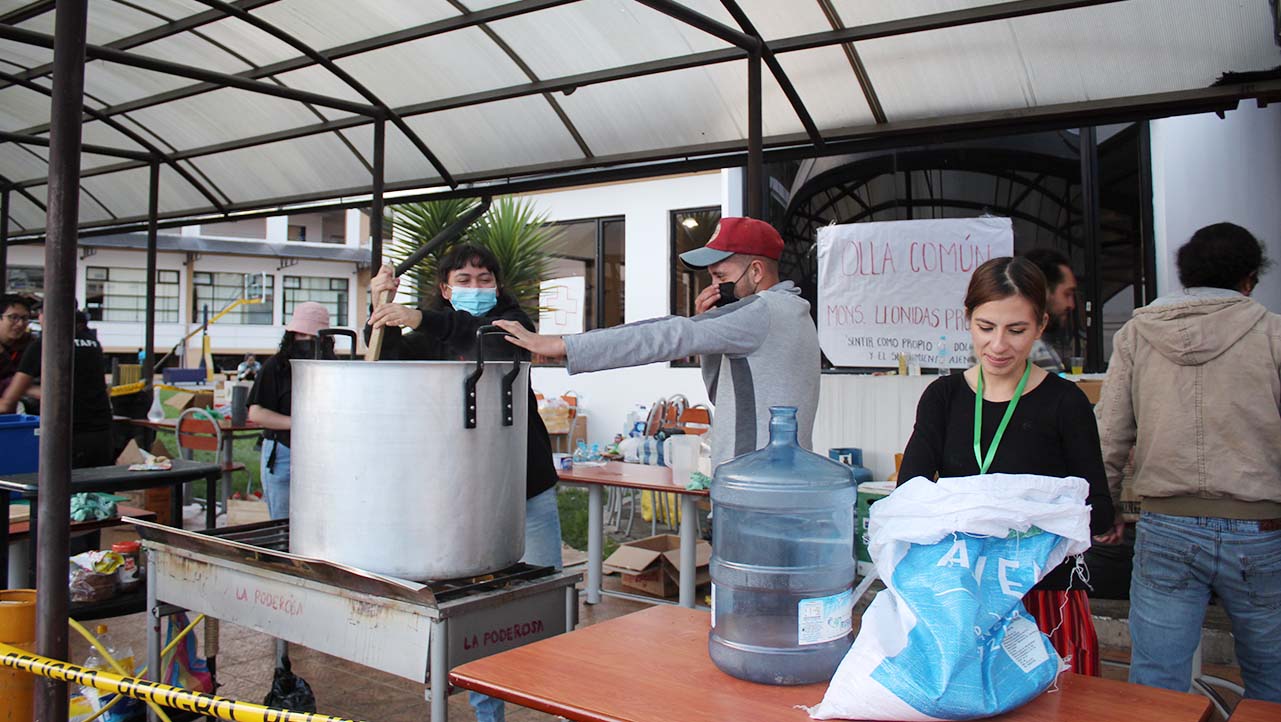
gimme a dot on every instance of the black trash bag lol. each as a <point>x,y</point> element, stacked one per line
<point>289,691</point>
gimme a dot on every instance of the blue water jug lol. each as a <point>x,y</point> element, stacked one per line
<point>782,561</point>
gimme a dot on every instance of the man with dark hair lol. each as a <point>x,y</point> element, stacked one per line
<point>91,443</point>
<point>1194,387</point>
<point>1061,302</point>
<point>15,334</point>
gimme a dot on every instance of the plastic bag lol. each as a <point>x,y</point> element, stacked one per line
<point>289,691</point>
<point>949,637</point>
<point>186,669</point>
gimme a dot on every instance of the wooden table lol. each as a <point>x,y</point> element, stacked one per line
<point>229,433</point>
<point>652,666</point>
<point>647,478</point>
<point>1252,710</point>
<point>108,479</point>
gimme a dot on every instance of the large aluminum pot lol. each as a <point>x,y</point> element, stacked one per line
<point>385,476</point>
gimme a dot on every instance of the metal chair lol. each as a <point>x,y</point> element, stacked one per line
<point>198,430</point>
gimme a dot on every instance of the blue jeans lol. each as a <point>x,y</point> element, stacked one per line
<point>542,548</point>
<point>275,482</point>
<point>1178,561</point>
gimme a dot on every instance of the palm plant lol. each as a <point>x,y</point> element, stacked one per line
<point>513,230</point>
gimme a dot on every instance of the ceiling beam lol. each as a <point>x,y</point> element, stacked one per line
<point>99,52</point>
<point>43,141</point>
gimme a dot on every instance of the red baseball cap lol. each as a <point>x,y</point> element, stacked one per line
<point>736,235</point>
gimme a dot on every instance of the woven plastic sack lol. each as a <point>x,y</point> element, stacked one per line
<point>186,668</point>
<point>949,637</point>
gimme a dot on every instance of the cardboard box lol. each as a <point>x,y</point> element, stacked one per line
<point>653,565</point>
<point>153,500</point>
<point>1092,388</point>
<point>175,402</point>
<point>246,511</point>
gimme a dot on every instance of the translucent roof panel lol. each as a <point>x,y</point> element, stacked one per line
<point>827,85</point>
<point>108,21</point>
<point>26,56</point>
<point>268,148</point>
<point>21,162</point>
<point>286,168</point>
<point>1069,56</point>
<point>324,24</point>
<point>24,212</point>
<point>675,110</point>
<point>126,191</point>
<point>222,115</point>
<point>493,136</point>
<point>599,34</point>
<point>21,108</point>
<point>91,211</point>
<point>112,83</point>
<point>464,61</point>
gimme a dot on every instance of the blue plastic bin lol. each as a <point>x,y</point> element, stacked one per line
<point>19,443</point>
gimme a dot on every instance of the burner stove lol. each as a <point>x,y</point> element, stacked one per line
<point>246,576</point>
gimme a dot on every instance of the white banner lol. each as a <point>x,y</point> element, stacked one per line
<point>897,287</point>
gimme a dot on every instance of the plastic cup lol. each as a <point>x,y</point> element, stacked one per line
<point>1078,365</point>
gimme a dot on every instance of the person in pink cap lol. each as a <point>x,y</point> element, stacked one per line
<point>269,400</point>
<point>752,330</point>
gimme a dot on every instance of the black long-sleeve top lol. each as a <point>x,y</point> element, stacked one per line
<point>1052,433</point>
<point>450,335</point>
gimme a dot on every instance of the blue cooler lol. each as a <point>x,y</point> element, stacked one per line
<point>19,443</point>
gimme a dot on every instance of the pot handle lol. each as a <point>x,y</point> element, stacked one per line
<point>317,354</point>
<point>469,384</point>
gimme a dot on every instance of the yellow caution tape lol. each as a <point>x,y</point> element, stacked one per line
<point>199,702</point>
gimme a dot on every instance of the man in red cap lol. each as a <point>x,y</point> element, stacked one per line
<point>752,331</point>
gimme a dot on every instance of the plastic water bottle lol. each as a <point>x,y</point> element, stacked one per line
<point>782,561</point>
<point>127,708</point>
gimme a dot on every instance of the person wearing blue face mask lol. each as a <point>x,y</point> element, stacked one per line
<point>470,295</point>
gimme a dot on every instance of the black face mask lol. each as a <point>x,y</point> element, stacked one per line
<point>303,349</point>
<point>726,289</point>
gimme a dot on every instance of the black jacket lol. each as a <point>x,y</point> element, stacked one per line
<point>450,335</point>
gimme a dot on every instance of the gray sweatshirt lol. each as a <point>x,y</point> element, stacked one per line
<point>758,352</point>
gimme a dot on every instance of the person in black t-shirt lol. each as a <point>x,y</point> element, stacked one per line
<point>1050,432</point>
<point>90,404</point>
<point>15,334</point>
<point>270,402</point>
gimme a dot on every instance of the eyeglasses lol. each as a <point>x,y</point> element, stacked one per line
<point>15,318</point>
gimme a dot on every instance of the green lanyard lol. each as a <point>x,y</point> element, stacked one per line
<point>984,463</point>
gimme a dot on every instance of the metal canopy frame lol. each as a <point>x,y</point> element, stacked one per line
<point>63,82</point>
<point>741,40</point>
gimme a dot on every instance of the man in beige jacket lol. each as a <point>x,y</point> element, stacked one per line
<point>1194,387</point>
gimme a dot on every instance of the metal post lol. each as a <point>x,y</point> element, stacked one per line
<point>376,203</point>
<point>595,532</point>
<point>149,334</point>
<point>4,241</point>
<point>689,545</point>
<point>438,666</point>
<point>1146,215</point>
<point>59,328</point>
<point>755,156</point>
<point>153,628</point>
<point>1090,240</point>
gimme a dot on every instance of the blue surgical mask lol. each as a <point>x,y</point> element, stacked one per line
<point>476,301</point>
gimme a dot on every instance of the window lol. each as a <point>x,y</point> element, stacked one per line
<point>297,232</point>
<point>218,290</point>
<point>330,292</point>
<point>690,229</point>
<point>592,250</point>
<point>26,280</point>
<point>120,294</point>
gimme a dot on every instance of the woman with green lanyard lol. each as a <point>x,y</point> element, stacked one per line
<point>1006,415</point>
